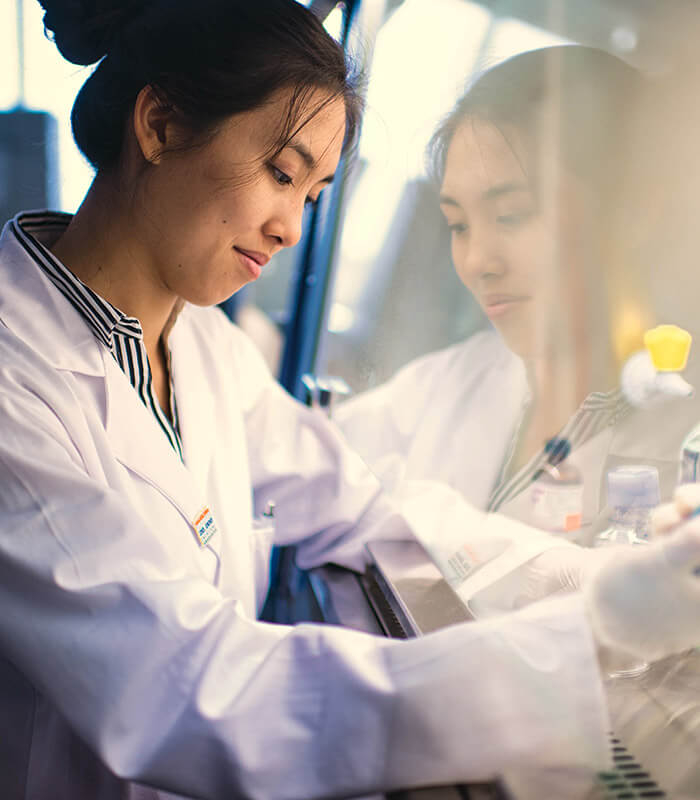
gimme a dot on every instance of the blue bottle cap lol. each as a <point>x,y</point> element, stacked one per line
<point>557,450</point>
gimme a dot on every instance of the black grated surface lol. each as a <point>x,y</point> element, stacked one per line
<point>628,778</point>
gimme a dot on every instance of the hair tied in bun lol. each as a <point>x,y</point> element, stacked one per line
<point>83,30</point>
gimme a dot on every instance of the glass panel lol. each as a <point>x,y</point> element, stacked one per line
<point>494,298</point>
<point>262,309</point>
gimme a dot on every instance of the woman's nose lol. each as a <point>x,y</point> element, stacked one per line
<point>285,225</point>
<point>480,256</point>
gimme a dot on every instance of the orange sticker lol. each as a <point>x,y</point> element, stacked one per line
<point>204,526</point>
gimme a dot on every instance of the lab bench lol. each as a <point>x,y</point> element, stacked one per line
<point>655,742</point>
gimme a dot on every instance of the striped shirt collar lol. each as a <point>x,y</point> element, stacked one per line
<point>600,410</point>
<point>37,231</point>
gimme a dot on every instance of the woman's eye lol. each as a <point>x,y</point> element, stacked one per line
<point>512,220</point>
<point>281,177</point>
<point>457,228</point>
<point>312,202</point>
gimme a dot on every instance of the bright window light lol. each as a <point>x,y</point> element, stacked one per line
<point>334,22</point>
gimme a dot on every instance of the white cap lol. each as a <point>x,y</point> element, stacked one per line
<point>635,486</point>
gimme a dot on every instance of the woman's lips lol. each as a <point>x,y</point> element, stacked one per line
<point>253,261</point>
<point>497,306</point>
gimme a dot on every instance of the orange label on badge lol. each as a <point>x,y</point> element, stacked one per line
<point>204,526</point>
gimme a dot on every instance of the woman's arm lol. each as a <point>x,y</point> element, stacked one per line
<point>164,678</point>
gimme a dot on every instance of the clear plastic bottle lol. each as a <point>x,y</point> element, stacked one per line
<point>690,458</point>
<point>557,493</point>
<point>633,492</point>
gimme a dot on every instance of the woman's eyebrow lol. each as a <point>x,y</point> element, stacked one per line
<point>489,194</point>
<point>308,159</point>
<point>504,188</point>
<point>305,154</point>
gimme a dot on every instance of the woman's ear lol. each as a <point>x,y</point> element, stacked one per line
<point>154,125</point>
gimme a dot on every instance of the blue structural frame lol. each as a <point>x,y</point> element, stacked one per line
<point>289,599</point>
<point>314,269</point>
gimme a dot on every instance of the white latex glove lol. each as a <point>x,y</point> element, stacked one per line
<point>562,569</point>
<point>646,601</point>
<point>668,516</point>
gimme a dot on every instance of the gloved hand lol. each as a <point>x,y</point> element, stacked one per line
<point>562,569</point>
<point>668,516</point>
<point>646,601</point>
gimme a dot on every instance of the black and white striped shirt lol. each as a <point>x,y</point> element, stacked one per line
<point>120,334</point>
<point>598,411</point>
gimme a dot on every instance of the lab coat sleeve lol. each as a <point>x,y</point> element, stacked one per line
<point>329,503</point>
<point>380,423</point>
<point>485,556</point>
<point>170,684</point>
<point>327,500</point>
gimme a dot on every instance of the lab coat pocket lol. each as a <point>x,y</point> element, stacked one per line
<point>262,538</point>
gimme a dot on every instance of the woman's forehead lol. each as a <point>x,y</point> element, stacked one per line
<point>483,153</point>
<point>315,122</point>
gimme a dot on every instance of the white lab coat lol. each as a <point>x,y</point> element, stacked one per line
<point>447,416</point>
<point>450,416</point>
<point>120,636</point>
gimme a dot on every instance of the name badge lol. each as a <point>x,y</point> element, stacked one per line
<point>204,526</point>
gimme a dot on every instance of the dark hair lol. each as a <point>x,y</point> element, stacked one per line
<point>592,90</point>
<point>206,59</point>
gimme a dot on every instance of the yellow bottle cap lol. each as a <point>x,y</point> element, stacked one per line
<point>668,346</point>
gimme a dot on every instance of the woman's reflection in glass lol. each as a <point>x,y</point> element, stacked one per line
<point>528,166</point>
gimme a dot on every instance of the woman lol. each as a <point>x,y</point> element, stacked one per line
<point>531,165</point>
<point>136,426</point>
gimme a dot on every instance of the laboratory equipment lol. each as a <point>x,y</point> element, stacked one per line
<point>322,391</point>
<point>557,492</point>
<point>633,492</point>
<point>651,376</point>
<point>689,472</point>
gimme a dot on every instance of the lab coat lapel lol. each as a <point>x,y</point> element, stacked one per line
<point>141,446</point>
<point>195,405</point>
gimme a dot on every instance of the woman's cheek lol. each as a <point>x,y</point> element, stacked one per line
<point>458,259</point>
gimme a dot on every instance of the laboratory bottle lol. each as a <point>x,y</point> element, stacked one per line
<point>633,492</point>
<point>652,376</point>
<point>557,492</point>
<point>689,471</point>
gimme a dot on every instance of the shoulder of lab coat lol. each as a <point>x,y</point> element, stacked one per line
<point>394,408</point>
<point>447,416</point>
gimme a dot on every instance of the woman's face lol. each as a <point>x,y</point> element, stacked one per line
<point>515,236</point>
<point>212,216</point>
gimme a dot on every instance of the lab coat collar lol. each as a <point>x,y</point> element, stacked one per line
<point>38,314</point>
<point>35,311</point>
<point>139,444</point>
<point>195,401</point>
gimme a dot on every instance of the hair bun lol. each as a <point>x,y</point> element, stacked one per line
<point>83,30</point>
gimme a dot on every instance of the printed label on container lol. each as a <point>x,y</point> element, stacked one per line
<point>557,508</point>
<point>204,526</point>
<point>689,466</point>
<point>469,558</point>
<point>462,563</point>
